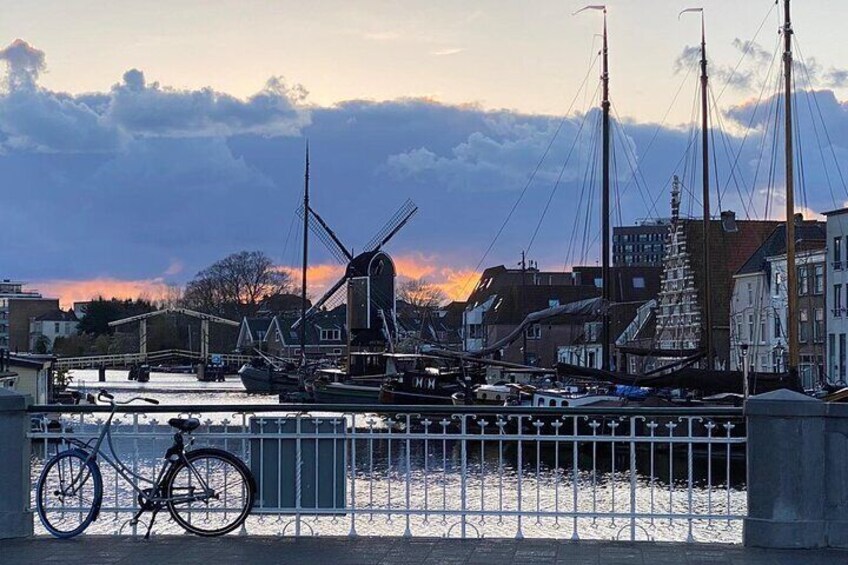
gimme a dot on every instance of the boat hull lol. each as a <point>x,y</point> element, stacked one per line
<point>265,381</point>
<point>342,393</point>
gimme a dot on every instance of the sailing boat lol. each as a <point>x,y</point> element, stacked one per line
<point>265,374</point>
<point>682,373</point>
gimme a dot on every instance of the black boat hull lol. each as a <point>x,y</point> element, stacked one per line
<point>262,380</point>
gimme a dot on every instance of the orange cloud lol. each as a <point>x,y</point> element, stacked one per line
<point>454,282</point>
<point>70,291</point>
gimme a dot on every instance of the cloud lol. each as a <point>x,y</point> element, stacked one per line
<point>70,291</point>
<point>447,52</point>
<point>24,63</point>
<point>150,109</point>
<point>144,182</point>
<point>35,119</point>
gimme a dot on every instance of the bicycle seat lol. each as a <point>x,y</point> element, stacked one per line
<point>184,424</point>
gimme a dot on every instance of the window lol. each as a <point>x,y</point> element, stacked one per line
<point>842,357</point>
<point>553,302</point>
<point>777,331</point>
<point>803,325</point>
<point>739,328</point>
<point>475,331</point>
<point>837,252</point>
<point>818,327</point>
<point>750,294</point>
<point>638,282</point>
<point>337,351</point>
<point>56,327</point>
<point>762,328</point>
<point>750,328</point>
<point>534,331</point>
<point>837,300</point>
<point>818,282</point>
<point>778,280</point>
<point>331,335</point>
<point>831,354</point>
<point>803,281</point>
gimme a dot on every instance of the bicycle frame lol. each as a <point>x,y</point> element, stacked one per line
<point>174,455</point>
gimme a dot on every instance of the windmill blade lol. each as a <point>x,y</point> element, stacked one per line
<point>329,298</point>
<point>395,223</point>
<point>327,236</point>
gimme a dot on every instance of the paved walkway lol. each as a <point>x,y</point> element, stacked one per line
<point>190,550</point>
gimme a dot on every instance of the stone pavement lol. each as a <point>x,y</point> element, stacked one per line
<point>190,550</point>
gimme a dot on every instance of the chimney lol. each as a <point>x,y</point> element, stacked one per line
<point>728,221</point>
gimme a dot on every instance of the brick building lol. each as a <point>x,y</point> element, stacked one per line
<point>17,308</point>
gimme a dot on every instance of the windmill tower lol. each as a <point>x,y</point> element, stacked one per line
<point>368,284</point>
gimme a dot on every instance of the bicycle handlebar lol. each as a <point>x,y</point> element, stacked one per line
<point>103,394</point>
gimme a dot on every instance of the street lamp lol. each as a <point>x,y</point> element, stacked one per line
<point>779,349</point>
<point>744,348</point>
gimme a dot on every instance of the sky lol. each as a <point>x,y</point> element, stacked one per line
<point>146,140</point>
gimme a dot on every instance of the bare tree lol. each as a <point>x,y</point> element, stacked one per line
<point>236,285</point>
<point>421,295</point>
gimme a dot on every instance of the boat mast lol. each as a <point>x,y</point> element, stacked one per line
<point>605,205</point>
<point>705,156</point>
<point>791,288</point>
<point>305,259</point>
<point>606,279</point>
<point>707,341</point>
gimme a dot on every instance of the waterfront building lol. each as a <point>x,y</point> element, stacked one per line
<point>836,295</point>
<point>682,297</point>
<point>642,245</point>
<point>493,284</point>
<point>633,292</point>
<point>759,302</point>
<point>45,328</point>
<point>17,307</point>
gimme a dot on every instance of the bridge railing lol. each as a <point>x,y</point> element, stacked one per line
<point>127,359</point>
<point>624,473</point>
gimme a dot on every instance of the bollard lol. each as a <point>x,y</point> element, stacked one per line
<point>101,374</point>
<point>15,517</point>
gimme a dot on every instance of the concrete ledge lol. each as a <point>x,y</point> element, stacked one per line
<point>11,401</point>
<point>784,403</point>
<point>837,534</point>
<point>778,534</point>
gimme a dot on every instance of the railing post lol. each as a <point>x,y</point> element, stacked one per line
<point>786,471</point>
<point>15,517</point>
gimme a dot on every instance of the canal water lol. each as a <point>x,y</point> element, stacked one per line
<point>499,478</point>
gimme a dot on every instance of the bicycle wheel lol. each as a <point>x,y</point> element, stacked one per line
<point>69,493</point>
<point>229,498</point>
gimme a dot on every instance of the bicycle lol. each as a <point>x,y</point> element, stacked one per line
<point>223,492</point>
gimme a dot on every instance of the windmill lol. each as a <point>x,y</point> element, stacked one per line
<point>369,281</point>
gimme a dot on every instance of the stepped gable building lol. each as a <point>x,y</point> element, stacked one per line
<point>681,300</point>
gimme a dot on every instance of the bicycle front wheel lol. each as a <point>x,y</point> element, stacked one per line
<point>210,493</point>
<point>69,493</point>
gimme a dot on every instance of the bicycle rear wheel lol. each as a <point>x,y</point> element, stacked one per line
<point>69,493</point>
<point>229,500</point>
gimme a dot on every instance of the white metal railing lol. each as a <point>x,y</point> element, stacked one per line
<point>624,473</point>
<point>125,359</point>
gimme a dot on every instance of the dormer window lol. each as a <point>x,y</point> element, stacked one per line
<point>331,334</point>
